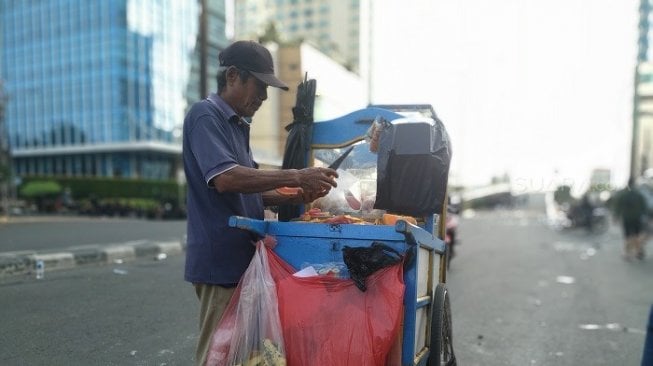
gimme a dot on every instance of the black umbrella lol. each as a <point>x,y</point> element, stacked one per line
<point>300,136</point>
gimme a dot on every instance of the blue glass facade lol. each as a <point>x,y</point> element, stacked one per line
<point>216,41</point>
<point>98,88</point>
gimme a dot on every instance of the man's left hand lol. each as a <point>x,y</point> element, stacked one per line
<point>303,196</point>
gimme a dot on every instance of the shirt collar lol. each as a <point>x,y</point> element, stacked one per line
<point>226,109</point>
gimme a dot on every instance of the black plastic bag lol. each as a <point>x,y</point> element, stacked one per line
<point>364,261</point>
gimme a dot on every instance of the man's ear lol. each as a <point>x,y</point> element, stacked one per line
<point>232,75</point>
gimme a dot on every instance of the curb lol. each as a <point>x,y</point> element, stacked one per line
<point>24,262</point>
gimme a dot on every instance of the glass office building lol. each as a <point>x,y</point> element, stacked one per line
<point>99,88</point>
<point>214,40</point>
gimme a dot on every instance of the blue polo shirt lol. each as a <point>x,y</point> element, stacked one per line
<point>216,140</point>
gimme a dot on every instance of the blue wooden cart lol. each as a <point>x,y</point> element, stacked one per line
<point>426,329</point>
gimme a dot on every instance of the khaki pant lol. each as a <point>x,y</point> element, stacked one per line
<point>213,302</point>
<point>634,246</point>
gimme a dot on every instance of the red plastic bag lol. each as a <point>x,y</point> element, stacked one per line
<point>329,321</point>
<point>249,332</point>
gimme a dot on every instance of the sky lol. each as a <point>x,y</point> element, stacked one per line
<point>540,90</point>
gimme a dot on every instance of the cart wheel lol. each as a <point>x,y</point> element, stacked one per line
<point>441,340</point>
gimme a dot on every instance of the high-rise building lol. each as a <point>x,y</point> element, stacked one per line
<point>328,39</point>
<point>211,39</point>
<point>100,88</point>
<point>338,28</point>
<point>338,92</point>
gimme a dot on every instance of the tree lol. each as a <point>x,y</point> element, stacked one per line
<point>270,34</point>
<point>40,188</point>
<point>42,192</point>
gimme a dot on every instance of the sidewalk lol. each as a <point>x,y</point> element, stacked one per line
<point>23,262</point>
<point>13,263</point>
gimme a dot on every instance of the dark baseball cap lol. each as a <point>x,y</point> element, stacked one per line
<point>253,57</point>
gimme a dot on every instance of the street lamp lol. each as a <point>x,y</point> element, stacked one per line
<point>642,56</point>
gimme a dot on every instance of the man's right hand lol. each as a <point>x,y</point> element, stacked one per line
<point>318,180</point>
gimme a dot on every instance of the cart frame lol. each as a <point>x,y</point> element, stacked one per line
<point>426,329</point>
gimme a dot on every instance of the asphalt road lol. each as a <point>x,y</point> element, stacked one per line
<point>145,314</point>
<point>522,294</point>
<point>54,233</point>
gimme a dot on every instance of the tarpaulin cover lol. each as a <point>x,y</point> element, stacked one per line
<point>413,167</point>
<point>328,321</point>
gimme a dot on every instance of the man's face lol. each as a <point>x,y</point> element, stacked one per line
<point>247,97</point>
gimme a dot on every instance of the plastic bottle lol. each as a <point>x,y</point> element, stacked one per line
<point>40,269</point>
<point>374,132</point>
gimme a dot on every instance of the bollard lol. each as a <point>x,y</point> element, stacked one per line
<point>647,358</point>
<point>40,269</point>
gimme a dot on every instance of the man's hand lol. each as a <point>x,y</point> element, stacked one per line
<point>269,241</point>
<point>308,197</point>
<point>317,182</point>
<point>300,196</point>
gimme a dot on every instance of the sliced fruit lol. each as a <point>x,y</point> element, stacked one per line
<point>390,219</point>
<point>288,191</point>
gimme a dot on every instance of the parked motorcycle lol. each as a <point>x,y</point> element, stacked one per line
<point>595,220</point>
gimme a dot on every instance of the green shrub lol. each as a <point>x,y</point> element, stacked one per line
<point>40,188</point>
<point>114,188</point>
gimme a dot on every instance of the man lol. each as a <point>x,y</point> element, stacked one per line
<point>631,207</point>
<point>223,180</point>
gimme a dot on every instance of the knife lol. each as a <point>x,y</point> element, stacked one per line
<point>336,164</point>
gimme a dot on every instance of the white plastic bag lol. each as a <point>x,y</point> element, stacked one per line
<point>249,332</point>
<point>344,198</point>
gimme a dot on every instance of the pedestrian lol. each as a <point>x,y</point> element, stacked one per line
<point>224,180</point>
<point>587,211</point>
<point>630,206</point>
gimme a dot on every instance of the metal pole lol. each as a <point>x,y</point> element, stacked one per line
<point>203,50</point>
<point>635,134</point>
<point>642,56</point>
<point>5,155</point>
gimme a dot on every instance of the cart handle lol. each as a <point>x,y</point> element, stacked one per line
<point>415,235</point>
<point>256,226</point>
